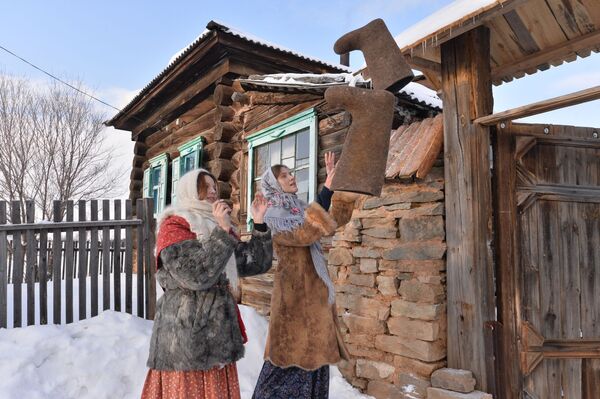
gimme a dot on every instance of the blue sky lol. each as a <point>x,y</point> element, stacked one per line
<point>117,47</point>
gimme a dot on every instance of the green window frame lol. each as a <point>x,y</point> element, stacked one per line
<point>285,132</point>
<point>190,157</point>
<point>155,179</point>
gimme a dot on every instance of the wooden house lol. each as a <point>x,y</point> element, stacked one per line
<point>482,253</point>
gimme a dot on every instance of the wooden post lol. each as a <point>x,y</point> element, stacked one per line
<point>149,259</point>
<point>3,270</point>
<point>117,257</point>
<point>82,276</point>
<point>467,94</point>
<point>17,279</point>
<point>94,260</point>
<point>105,257</point>
<point>69,252</point>
<point>56,263</point>
<point>128,257</point>
<point>31,261</point>
<point>140,258</point>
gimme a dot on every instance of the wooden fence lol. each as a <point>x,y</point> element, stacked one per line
<point>35,254</point>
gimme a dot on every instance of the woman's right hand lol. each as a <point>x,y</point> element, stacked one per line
<point>221,212</point>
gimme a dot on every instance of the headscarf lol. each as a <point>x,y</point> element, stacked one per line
<point>285,212</point>
<point>198,213</point>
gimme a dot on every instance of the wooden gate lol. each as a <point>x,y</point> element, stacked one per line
<point>547,208</point>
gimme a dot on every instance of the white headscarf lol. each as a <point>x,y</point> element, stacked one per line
<point>198,213</point>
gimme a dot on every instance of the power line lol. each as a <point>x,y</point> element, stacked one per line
<point>58,79</point>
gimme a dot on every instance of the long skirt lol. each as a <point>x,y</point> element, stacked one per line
<point>216,383</point>
<point>291,383</point>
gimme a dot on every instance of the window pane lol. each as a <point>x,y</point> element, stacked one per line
<point>261,155</point>
<point>301,162</point>
<point>289,162</point>
<point>155,181</point>
<point>188,162</point>
<point>287,150</point>
<point>302,182</point>
<point>155,198</point>
<point>303,144</point>
<point>275,152</point>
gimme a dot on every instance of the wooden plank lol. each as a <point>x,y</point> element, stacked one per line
<point>140,259</point>
<point>31,263</point>
<point>559,51</point>
<point>105,257</point>
<point>73,225</point>
<point>18,256</point>
<point>94,294</point>
<point>128,258</point>
<point>540,107</point>
<point>56,264</point>
<point>464,25</point>
<point>69,254</point>
<point>467,93</point>
<point>542,25</point>
<point>3,269</point>
<point>43,277</point>
<point>83,268</point>
<point>507,272</point>
<point>149,258</point>
<point>117,258</point>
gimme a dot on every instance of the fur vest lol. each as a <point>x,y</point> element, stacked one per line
<point>196,325</point>
<point>303,328</point>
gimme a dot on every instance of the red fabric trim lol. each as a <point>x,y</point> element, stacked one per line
<point>172,230</point>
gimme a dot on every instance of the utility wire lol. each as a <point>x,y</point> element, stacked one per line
<point>58,79</point>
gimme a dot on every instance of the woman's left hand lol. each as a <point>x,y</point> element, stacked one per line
<point>330,168</point>
<point>259,208</point>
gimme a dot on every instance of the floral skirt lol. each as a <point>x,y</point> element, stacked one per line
<point>216,383</point>
<point>291,383</point>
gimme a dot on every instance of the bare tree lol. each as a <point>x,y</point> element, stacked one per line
<point>52,145</point>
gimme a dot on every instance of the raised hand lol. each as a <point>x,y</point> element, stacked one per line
<point>221,212</point>
<point>329,167</point>
<point>259,208</point>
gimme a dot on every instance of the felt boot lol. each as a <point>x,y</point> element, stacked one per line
<point>387,67</point>
<point>361,168</point>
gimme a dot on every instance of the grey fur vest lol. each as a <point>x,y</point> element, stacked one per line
<point>196,326</point>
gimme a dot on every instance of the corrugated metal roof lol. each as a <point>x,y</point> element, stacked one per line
<point>415,147</point>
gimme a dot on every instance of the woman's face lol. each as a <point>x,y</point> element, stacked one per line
<point>287,181</point>
<point>208,189</point>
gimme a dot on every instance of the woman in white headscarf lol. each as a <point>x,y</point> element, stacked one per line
<point>304,337</point>
<point>198,334</point>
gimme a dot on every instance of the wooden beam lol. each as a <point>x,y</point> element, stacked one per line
<point>467,93</point>
<point>557,52</point>
<point>540,107</point>
<point>423,63</point>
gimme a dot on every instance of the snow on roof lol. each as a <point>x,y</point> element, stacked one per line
<point>443,18</point>
<point>422,94</point>
<point>218,26</point>
<point>415,91</point>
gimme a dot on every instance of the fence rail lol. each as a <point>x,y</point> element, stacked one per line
<point>82,251</point>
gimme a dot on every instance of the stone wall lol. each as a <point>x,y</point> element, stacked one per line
<point>389,267</point>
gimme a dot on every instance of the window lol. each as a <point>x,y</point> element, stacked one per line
<point>155,178</point>
<point>190,157</point>
<point>292,142</point>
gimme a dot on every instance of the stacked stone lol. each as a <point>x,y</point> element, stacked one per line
<point>454,384</point>
<point>389,267</point>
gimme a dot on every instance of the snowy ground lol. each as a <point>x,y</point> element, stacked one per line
<point>105,357</point>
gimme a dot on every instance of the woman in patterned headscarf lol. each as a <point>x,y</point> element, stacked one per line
<point>304,338</point>
<point>198,334</point>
